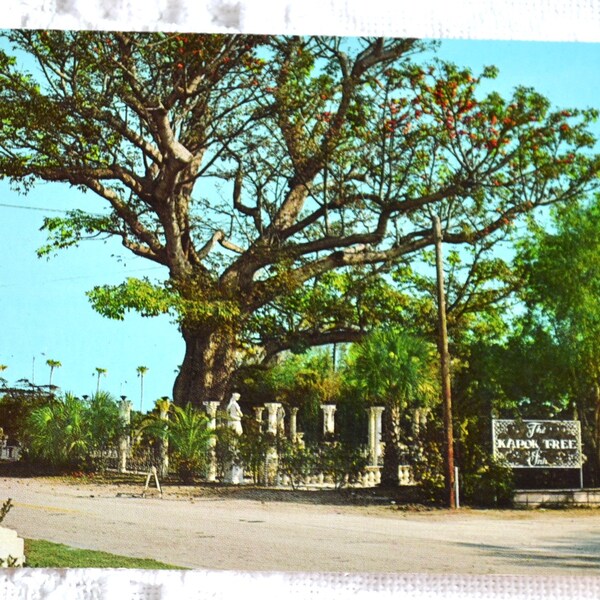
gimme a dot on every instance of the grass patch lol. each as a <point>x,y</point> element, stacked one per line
<point>41,553</point>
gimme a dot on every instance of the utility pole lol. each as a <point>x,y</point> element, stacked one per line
<point>445,367</point>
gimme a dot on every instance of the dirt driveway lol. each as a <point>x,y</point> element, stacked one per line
<point>238,531</point>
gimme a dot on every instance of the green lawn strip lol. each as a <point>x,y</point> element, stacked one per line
<point>41,553</point>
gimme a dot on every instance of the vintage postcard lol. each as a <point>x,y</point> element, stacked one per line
<point>299,303</point>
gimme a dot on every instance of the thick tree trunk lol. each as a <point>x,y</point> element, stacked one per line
<point>207,367</point>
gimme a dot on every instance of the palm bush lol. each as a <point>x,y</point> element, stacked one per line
<point>189,435</point>
<point>397,370</point>
<point>56,433</point>
<point>103,421</point>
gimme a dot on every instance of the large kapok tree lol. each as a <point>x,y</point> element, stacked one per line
<point>254,167</point>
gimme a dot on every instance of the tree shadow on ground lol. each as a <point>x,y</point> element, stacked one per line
<point>564,553</point>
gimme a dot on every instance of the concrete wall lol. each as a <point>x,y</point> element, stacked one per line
<point>570,497</point>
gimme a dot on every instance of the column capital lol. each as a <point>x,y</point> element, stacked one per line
<point>211,407</point>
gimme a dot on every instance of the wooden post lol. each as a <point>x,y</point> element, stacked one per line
<point>445,367</point>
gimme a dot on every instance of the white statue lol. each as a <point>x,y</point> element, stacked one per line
<point>235,414</point>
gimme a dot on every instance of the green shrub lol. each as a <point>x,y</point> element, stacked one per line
<point>227,450</point>
<point>491,484</point>
<point>342,462</point>
<point>296,462</point>
<point>253,447</point>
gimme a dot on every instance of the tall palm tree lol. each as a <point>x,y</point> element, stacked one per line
<point>141,371</point>
<point>53,364</point>
<point>99,371</point>
<point>2,369</point>
<point>397,370</point>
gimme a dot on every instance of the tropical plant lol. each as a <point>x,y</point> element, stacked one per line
<point>397,370</point>
<point>53,364</point>
<point>103,421</point>
<point>56,433</point>
<point>99,372</point>
<point>189,435</point>
<point>141,372</point>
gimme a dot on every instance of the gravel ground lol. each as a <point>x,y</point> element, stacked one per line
<point>255,529</point>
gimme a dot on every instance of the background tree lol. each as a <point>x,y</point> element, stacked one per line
<point>2,379</point>
<point>99,372</point>
<point>141,371</point>
<point>251,168</point>
<point>53,364</point>
<point>563,269</point>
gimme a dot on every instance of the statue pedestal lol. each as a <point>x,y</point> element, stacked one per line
<point>12,548</point>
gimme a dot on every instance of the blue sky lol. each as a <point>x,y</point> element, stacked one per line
<point>44,313</point>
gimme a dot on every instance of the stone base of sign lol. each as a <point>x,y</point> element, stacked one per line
<point>12,548</point>
<point>566,497</point>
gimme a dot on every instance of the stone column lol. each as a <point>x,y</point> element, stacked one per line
<point>293,424</point>
<point>375,413</point>
<point>124,439</point>
<point>272,425</point>
<point>281,421</point>
<point>211,407</point>
<point>272,416</point>
<point>328,418</point>
<point>163,445</point>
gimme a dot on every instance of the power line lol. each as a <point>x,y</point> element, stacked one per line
<point>79,277</point>
<point>33,208</point>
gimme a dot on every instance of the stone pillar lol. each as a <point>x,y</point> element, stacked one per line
<point>375,413</point>
<point>272,416</point>
<point>211,410</point>
<point>328,418</point>
<point>272,427</point>
<point>293,424</point>
<point>281,421</point>
<point>124,439</point>
<point>163,445</point>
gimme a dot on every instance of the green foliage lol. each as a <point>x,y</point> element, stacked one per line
<point>6,506</point>
<point>341,462</point>
<point>189,434</point>
<point>253,447</point>
<point>105,426</point>
<point>393,367</point>
<point>69,433</point>
<point>562,269</point>
<point>227,450</point>
<point>490,483</point>
<point>15,407</point>
<point>428,467</point>
<point>296,462</point>
<point>139,295</point>
<point>57,435</point>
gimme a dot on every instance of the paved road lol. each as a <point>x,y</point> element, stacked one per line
<point>227,533</point>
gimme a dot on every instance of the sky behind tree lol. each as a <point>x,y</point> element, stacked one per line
<point>44,313</point>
